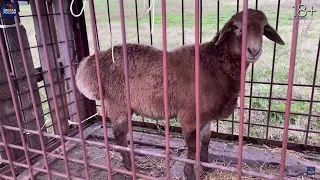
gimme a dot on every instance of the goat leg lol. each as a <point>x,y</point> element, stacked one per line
<point>205,140</point>
<point>120,131</point>
<point>190,138</point>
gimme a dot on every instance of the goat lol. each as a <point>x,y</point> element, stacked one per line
<point>220,61</point>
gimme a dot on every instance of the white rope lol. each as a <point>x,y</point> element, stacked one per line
<point>71,11</point>
<point>4,26</point>
<point>76,123</point>
<point>152,7</point>
<point>112,54</point>
<point>77,15</point>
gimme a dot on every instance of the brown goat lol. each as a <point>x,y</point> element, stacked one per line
<point>219,81</point>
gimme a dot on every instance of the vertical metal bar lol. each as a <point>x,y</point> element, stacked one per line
<point>16,106</point>
<point>251,86</point>
<point>165,86</point>
<point>238,6</point>
<point>232,126</point>
<point>218,23</point>
<point>95,20</point>
<point>200,21</point>
<point>74,90</point>
<point>197,88</point>
<point>137,20</point>
<point>109,17</point>
<point>312,93</point>
<point>150,23</point>
<point>52,88</point>
<point>242,84</point>
<point>233,111</point>
<point>63,99</point>
<point>218,15</point>
<point>289,91</point>
<point>103,113</point>
<point>13,172</point>
<point>182,20</point>
<point>272,75</point>
<point>126,71</point>
<point>24,60</point>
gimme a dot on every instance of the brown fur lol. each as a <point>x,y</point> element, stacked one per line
<point>219,82</point>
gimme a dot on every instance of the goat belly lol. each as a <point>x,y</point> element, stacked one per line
<point>227,108</point>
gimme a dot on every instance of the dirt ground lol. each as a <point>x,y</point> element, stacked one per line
<point>156,167</point>
<point>145,164</point>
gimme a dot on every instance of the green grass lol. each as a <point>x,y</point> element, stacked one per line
<point>309,32</point>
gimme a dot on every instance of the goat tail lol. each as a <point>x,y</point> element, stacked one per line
<point>86,78</point>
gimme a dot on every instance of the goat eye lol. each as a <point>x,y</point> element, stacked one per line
<point>235,26</point>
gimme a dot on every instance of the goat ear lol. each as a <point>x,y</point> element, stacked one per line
<point>272,34</point>
<point>223,32</point>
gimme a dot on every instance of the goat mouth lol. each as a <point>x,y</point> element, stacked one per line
<point>252,59</point>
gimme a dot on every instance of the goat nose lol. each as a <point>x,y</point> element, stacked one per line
<point>253,52</point>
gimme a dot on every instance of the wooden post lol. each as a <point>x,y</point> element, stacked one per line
<point>58,85</point>
<point>82,47</point>
<point>64,57</point>
<point>52,26</point>
<point>6,108</point>
<point>18,71</point>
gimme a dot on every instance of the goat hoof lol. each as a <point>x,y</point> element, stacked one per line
<point>128,167</point>
<point>189,172</point>
<point>191,177</point>
<point>127,163</point>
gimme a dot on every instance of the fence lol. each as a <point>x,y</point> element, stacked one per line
<point>43,115</point>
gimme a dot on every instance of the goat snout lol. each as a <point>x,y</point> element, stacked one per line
<point>253,52</point>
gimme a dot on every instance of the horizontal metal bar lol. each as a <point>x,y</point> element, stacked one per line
<point>275,127</point>
<point>74,160</point>
<point>282,99</point>
<point>282,84</point>
<point>43,86</point>
<point>230,137</point>
<point>142,152</point>
<point>281,112</point>
<point>53,172</point>
<point>47,14</point>
<point>50,145</point>
<point>5,177</point>
<point>27,108</point>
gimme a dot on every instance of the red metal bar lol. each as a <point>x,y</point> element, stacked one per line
<point>103,113</point>
<point>73,87</point>
<point>160,155</point>
<point>143,152</point>
<point>123,171</point>
<point>165,86</point>
<point>218,27</point>
<point>6,147</point>
<point>126,73</point>
<point>42,170</point>
<point>290,87</point>
<point>78,161</point>
<point>32,47</point>
<point>52,86</point>
<point>197,88</point>
<point>242,84</point>
<point>15,104</point>
<point>24,60</point>
<point>272,75</point>
<point>5,177</point>
<point>312,93</point>
<point>284,84</point>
